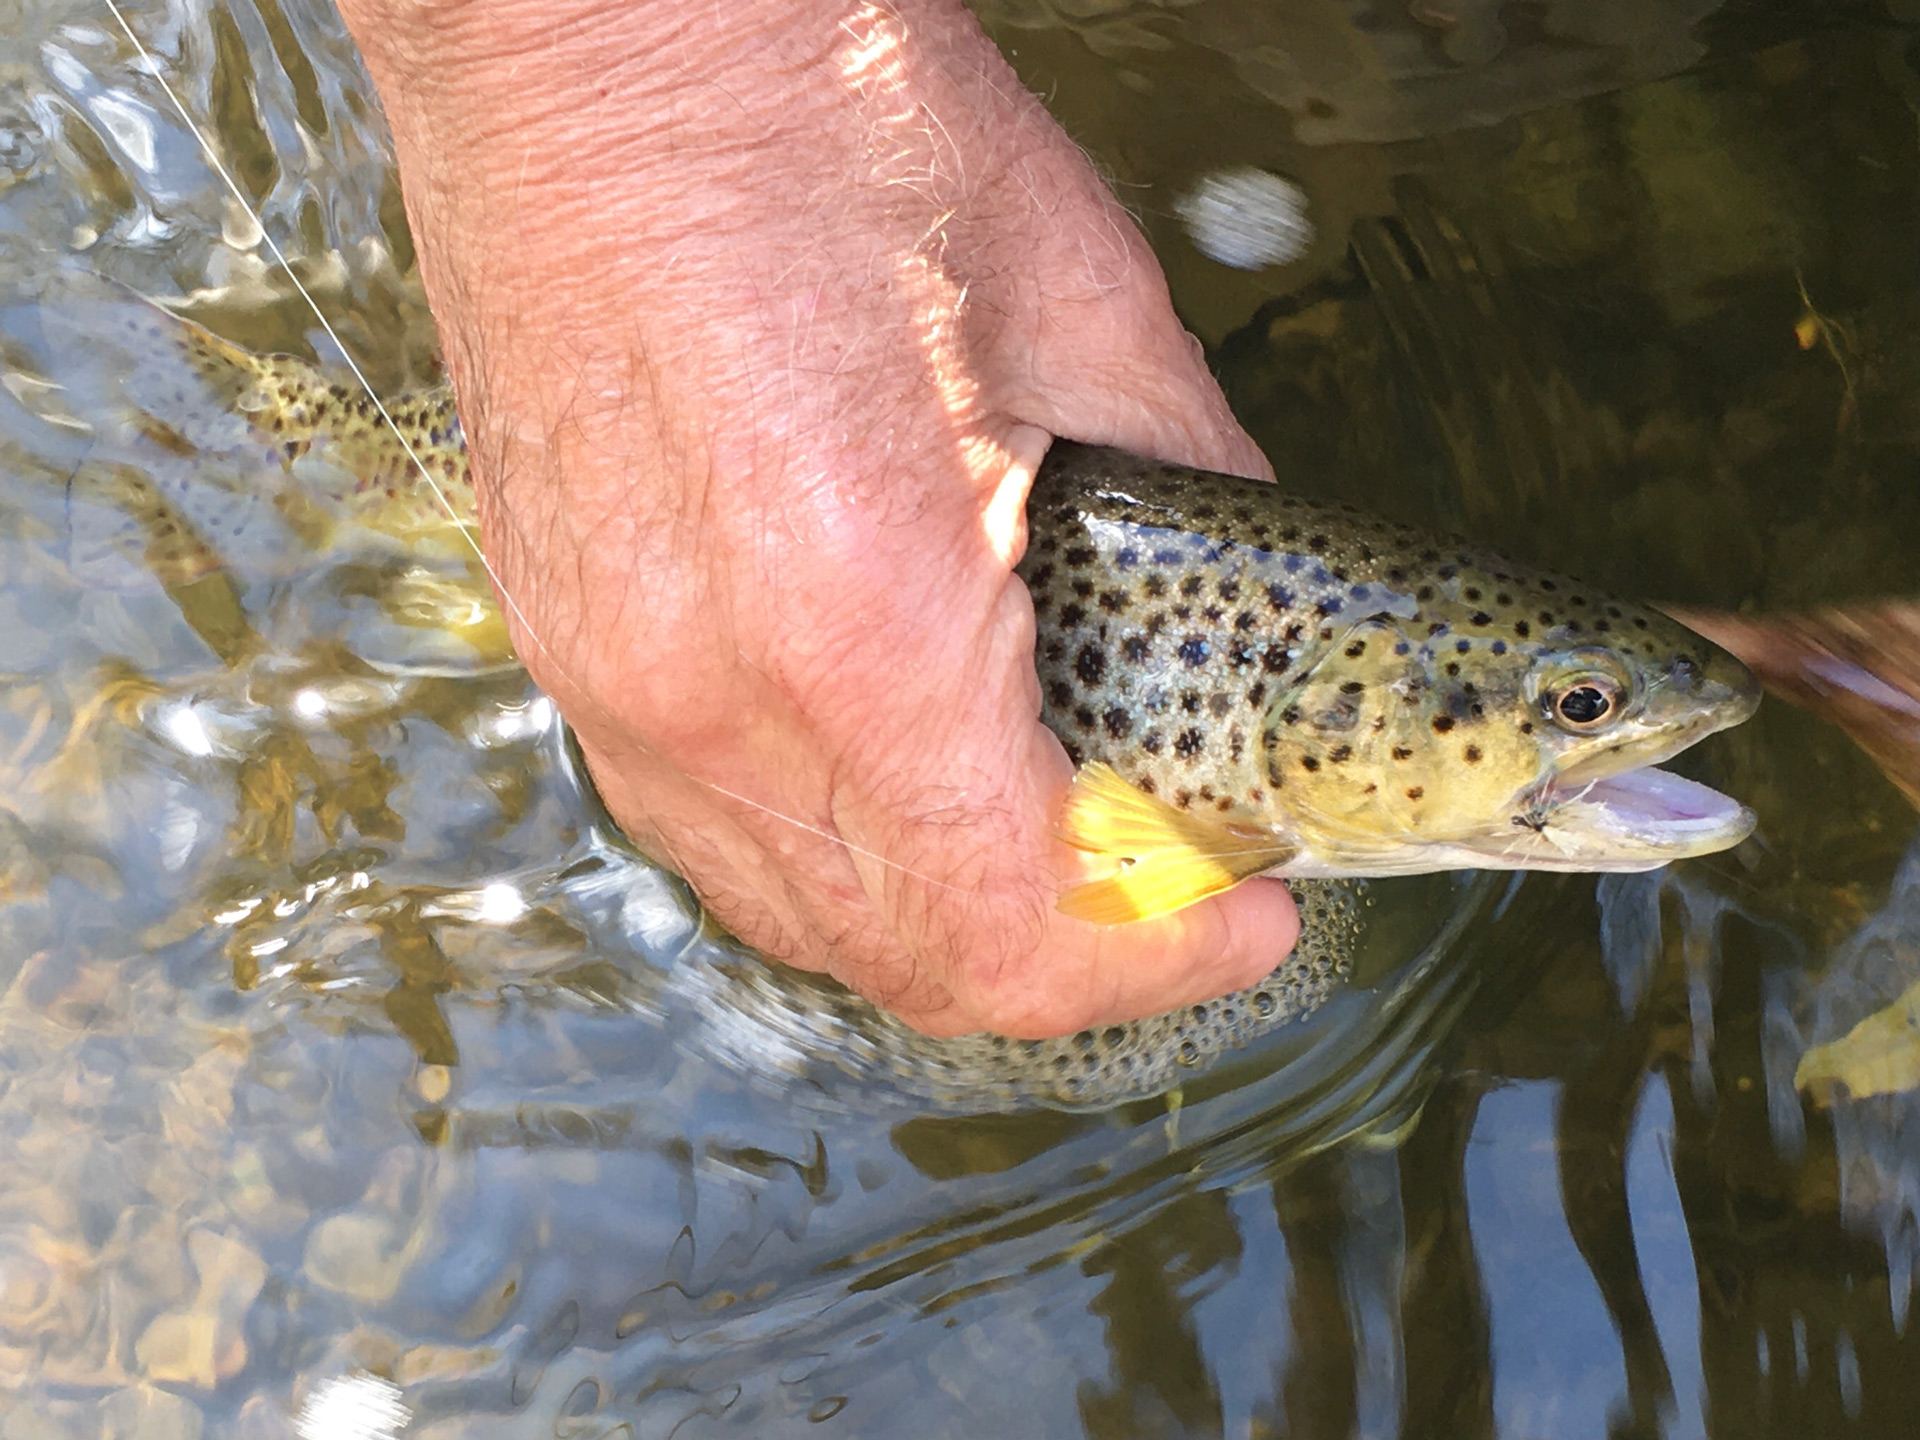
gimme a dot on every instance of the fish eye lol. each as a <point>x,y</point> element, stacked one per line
<point>1586,704</point>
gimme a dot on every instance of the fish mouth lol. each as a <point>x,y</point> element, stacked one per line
<point>1635,819</point>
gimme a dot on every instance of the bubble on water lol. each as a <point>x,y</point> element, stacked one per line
<point>353,1407</point>
<point>1247,218</point>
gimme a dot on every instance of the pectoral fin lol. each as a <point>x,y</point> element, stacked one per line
<point>1164,858</point>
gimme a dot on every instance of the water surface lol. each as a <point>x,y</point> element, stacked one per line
<point>338,1036</point>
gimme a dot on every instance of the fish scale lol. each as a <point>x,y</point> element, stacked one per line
<point>1333,678</point>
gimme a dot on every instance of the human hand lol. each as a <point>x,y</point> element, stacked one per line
<point>760,331</point>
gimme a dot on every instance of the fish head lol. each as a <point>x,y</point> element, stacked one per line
<point>1455,738</point>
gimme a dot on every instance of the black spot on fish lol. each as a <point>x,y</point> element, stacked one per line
<point>1281,598</point>
<point>1526,727</point>
<point>1190,586</point>
<point>1499,647</point>
<point>1119,722</point>
<point>1340,754</point>
<point>1083,717</point>
<point>1351,687</point>
<point>1549,585</point>
<point>1356,649</point>
<point>1060,694</point>
<point>1218,704</point>
<point>1078,557</point>
<point>1127,558</point>
<point>1135,648</point>
<point>1152,742</point>
<point>1214,613</point>
<point>1083,587</point>
<point>1522,629</point>
<point>1473,754</point>
<point>1401,752</point>
<point>1403,648</point>
<point>1416,792</point>
<point>1193,651</point>
<point>1229,589</point>
<point>1316,543</point>
<point>1187,743</point>
<point>1462,646</point>
<point>1190,701</point>
<point>1071,616</point>
<point>1154,586</point>
<point>1273,659</point>
<point>1480,617</point>
<point>1442,724</point>
<point>1472,592</point>
<point>1309,764</point>
<point>1091,664</point>
<point>1245,621</point>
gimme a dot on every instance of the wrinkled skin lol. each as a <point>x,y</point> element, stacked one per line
<point>759,331</point>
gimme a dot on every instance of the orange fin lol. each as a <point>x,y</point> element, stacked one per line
<point>1165,858</point>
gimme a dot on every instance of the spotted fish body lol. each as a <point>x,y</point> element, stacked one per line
<point>1368,694</point>
<point>289,406</point>
<point>1381,699</point>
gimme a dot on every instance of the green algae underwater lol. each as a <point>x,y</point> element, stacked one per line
<point>341,1040</point>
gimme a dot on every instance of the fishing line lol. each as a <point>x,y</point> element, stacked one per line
<point>219,168</point>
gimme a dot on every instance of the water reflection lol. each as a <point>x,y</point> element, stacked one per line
<point>336,1039</point>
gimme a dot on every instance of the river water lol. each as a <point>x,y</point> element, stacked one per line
<point>347,1058</point>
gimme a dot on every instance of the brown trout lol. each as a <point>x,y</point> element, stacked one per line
<point>1250,682</point>
<point>1253,683</point>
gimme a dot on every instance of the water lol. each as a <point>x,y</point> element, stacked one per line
<point>339,1039</point>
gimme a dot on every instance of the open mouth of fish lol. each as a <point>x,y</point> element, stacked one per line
<point>1639,818</point>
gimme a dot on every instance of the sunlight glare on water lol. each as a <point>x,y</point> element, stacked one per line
<point>356,1080</point>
